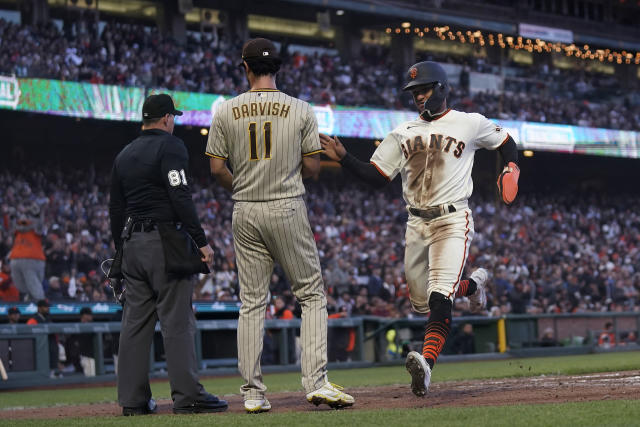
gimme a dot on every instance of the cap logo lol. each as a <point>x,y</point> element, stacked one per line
<point>413,72</point>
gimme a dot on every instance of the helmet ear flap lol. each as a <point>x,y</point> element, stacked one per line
<point>432,106</point>
<point>442,90</point>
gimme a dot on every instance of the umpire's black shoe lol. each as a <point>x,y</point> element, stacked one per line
<point>150,408</point>
<point>209,403</point>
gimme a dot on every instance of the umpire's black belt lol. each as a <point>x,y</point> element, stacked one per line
<point>433,212</point>
<point>143,227</point>
<point>146,226</point>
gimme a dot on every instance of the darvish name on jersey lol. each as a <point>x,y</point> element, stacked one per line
<point>435,158</point>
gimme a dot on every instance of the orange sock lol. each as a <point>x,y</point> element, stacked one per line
<point>434,340</point>
<point>463,287</point>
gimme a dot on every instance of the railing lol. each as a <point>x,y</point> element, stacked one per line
<point>24,349</point>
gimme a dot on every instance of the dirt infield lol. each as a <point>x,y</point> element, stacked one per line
<point>511,391</point>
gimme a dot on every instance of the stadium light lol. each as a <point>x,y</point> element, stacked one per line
<point>405,24</point>
<point>339,12</point>
<point>204,131</point>
<point>527,153</point>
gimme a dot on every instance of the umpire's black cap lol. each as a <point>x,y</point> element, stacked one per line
<point>156,106</point>
<point>260,49</point>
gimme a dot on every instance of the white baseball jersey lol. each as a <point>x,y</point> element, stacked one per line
<point>435,158</point>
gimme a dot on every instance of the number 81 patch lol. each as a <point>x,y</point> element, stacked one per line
<point>176,178</point>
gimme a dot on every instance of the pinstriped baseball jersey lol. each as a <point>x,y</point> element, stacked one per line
<point>435,158</point>
<point>264,134</point>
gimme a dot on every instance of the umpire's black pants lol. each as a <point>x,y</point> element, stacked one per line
<point>150,296</point>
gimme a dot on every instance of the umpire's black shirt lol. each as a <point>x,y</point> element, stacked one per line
<point>149,181</point>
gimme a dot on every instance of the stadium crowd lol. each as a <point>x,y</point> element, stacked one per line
<point>548,254</point>
<point>133,55</point>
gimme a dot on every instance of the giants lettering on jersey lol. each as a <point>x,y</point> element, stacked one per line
<point>436,142</point>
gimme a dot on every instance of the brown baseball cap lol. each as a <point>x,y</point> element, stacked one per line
<point>259,49</point>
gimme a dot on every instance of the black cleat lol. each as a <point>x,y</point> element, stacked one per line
<point>150,408</point>
<point>208,404</point>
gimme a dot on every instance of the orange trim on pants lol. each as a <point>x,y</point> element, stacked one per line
<point>464,255</point>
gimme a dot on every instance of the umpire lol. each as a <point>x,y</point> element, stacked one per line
<point>148,191</point>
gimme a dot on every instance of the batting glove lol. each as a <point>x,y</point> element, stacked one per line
<point>508,183</point>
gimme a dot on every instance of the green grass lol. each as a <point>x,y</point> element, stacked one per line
<point>350,378</point>
<point>583,414</point>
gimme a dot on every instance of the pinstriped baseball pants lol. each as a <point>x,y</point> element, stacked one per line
<point>264,232</point>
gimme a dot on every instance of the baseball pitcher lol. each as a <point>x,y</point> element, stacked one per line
<point>271,142</point>
<point>434,155</point>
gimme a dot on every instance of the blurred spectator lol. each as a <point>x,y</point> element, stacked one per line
<point>281,310</point>
<point>362,306</point>
<point>14,315</point>
<point>548,338</point>
<point>375,285</point>
<point>607,338</point>
<point>55,292</point>
<point>630,337</point>
<point>501,282</point>
<point>341,341</point>
<point>8,292</point>
<point>79,347</point>
<point>345,302</point>
<point>43,316</point>
<point>278,309</point>
<point>464,340</point>
<point>464,78</point>
<point>86,315</point>
<point>518,298</point>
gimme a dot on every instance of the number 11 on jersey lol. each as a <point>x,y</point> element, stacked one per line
<point>253,140</point>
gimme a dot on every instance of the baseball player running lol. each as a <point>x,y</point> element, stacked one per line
<point>271,142</point>
<point>434,155</point>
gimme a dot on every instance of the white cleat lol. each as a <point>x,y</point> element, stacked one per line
<point>420,373</point>
<point>479,298</point>
<point>255,406</point>
<point>332,395</point>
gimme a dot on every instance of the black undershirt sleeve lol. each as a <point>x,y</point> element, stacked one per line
<point>365,171</point>
<point>509,151</point>
<point>174,165</point>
